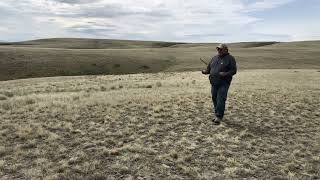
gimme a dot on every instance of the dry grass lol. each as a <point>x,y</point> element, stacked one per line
<point>157,126</point>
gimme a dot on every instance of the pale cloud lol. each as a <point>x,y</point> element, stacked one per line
<point>169,20</point>
<point>76,1</point>
<point>293,30</point>
<point>4,30</point>
<point>265,4</point>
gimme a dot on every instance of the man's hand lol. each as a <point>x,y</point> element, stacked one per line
<point>204,72</point>
<point>223,74</point>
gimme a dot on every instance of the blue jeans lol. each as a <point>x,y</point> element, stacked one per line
<point>219,92</point>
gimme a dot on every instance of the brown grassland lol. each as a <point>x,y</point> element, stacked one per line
<point>74,57</point>
<point>157,126</point>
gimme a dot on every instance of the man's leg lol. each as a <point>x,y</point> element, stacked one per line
<point>214,92</point>
<point>222,94</point>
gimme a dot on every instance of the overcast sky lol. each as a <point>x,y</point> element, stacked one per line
<point>164,20</point>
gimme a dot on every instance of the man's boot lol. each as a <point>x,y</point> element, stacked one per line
<point>217,121</point>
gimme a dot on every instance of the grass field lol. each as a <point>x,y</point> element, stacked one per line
<point>73,57</point>
<point>157,126</point>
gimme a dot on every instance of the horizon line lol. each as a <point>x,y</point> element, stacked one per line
<point>141,40</point>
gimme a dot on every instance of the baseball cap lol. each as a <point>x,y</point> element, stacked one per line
<point>221,46</point>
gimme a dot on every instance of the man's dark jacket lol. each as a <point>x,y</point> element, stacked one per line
<point>224,63</point>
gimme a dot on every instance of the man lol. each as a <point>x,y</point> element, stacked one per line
<point>220,69</point>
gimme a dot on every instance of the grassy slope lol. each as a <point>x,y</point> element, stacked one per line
<point>57,57</point>
<point>81,43</point>
<point>158,126</point>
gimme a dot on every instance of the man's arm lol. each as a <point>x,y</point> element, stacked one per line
<point>233,68</point>
<point>207,70</point>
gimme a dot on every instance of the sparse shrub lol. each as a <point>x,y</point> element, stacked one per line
<point>8,94</point>
<point>6,106</point>
<point>90,90</point>
<point>112,87</point>
<point>98,176</point>
<point>75,98</point>
<point>111,152</point>
<point>102,88</point>
<point>149,86</point>
<point>87,95</point>
<point>60,169</point>
<point>3,151</point>
<point>30,101</point>
<point>144,67</point>
<point>116,65</point>
<point>120,86</point>
<point>174,155</point>
<point>122,169</point>
<point>187,158</point>
<point>114,152</point>
<point>193,82</point>
<point>158,109</point>
<point>2,97</point>
<point>158,84</point>
<point>105,152</point>
<point>2,164</point>
<point>63,72</point>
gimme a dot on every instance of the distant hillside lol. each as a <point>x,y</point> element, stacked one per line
<point>298,44</point>
<point>78,43</point>
<point>66,57</point>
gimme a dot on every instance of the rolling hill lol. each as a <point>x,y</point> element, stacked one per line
<point>71,57</point>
